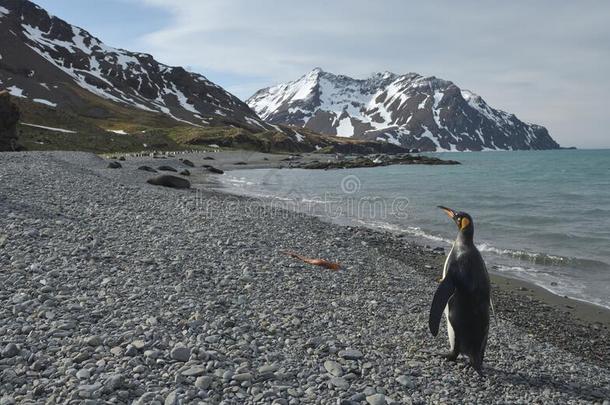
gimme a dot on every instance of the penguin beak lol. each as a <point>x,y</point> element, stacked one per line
<point>450,213</point>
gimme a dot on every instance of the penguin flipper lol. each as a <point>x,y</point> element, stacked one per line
<point>441,297</point>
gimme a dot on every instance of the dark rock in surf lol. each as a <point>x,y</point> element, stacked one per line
<point>114,165</point>
<point>147,169</point>
<point>167,168</point>
<point>185,172</point>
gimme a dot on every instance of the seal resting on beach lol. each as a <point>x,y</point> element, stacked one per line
<point>463,295</point>
<point>147,169</point>
<point>167,180</point>
<point>212,169</point>
<point>187,162</point>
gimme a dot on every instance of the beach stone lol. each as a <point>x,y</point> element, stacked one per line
<point>152,354</point>
<point>185,172</point>
<point>114,165</point>
<point>83,374</point>
<point>148,398</point>
<point>193,371</point>
<point>172,398</point>
<point>405,381</point>
<point>268,369</point>
<point>10,350</point>
<point>180,353</point>
<point>376,399</point>
<point>187,162</point>
<point>166,168</point>
<point>7,400</point>
<point>242,377</point>
<point>203,382</point>
<point>114,382</point>
<point>339,382</point>
<point>170,181</point>
<point>87,390</point>
<point>94,341</point>
<point>334,368</point>
<point>351,354</point>
<point>131,351</point>
<point>359,397</point>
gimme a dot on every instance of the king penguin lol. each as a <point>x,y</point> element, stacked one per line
<point>463,295</point>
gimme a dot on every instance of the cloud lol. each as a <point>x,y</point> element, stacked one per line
<point>544,61</point>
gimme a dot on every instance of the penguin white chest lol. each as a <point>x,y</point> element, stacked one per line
<point>450,331</point>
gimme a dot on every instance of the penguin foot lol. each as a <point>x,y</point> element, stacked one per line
<point>479,370</point>
<point>451,356</point>
<point>480,373</point>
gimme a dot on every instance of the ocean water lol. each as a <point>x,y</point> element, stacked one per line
<point>540,216</point>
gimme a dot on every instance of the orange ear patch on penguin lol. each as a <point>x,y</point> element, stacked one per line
<point>464,223</point>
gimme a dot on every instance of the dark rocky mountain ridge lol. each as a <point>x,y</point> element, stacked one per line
<point>51,62</point>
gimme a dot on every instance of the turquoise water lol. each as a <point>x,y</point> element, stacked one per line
<point>542,216</point>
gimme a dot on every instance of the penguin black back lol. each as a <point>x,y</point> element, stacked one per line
<point>464,295</point>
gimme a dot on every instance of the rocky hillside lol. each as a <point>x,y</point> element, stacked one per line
<point>9,116</point>
<point>410,110</point>
<point>55,64</point>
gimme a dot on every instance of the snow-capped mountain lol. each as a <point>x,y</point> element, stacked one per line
<point>51,62</point>
<point>410,110</point>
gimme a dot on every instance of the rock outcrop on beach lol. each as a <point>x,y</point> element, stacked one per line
<point>411,110</point>
<point>375,161</point>
<point>9,117</point>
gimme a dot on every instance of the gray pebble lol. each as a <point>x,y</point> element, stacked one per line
<point>376,399</point>
<point>180,353</point>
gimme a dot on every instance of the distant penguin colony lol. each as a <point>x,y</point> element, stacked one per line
<point>463,295</point>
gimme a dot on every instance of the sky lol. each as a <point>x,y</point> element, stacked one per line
<point>546,61</point>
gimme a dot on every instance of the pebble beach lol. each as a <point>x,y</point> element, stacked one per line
<point>115,291</point>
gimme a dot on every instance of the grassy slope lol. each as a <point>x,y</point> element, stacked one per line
<point>153,131</point>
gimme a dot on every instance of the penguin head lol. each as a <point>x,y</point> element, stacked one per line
<point>462,220</point>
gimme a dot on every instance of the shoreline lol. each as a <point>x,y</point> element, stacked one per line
<point>586,311</point>
<point>583,310</point>
<point>143,295</point>
<point>512,291</point>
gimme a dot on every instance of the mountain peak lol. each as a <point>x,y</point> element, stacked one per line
<point>38,48</point>
<point>411,110</point>
<point>316,71</point>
